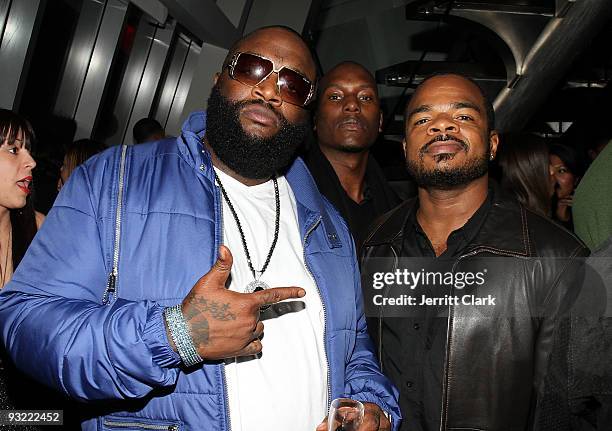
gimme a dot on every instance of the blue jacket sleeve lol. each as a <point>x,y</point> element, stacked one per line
<point>52,320</point>
<point>364,381</point>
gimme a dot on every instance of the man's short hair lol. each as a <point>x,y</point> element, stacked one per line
<point>145,128</point>
<point>490,111</point>
<point>320,87</point>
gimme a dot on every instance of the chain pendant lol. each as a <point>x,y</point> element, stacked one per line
<point>256,286</point>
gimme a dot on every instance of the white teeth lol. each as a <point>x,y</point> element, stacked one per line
<point>25,183</point>
<point>350,121</point>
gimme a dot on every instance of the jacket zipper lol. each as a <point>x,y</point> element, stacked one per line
<point>223,374</point>
<point>313,227</point>
<point>226,398</point>
<point>141,425</point>
<point>443,418</point>
<point>111,286</point>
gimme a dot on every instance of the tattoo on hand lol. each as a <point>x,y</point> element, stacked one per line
<point>198,325</point>
<point>201,328</point>
<point>216,310</point>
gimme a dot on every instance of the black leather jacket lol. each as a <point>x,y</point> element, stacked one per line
<point>495,366</point>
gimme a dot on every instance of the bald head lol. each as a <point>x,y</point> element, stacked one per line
<point>429,84</point>
<point>343,69</point>
<point>279,33</point>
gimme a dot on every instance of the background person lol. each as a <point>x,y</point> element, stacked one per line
<point>76,153</point>
<point>18,220</point>
<point>597,143</point>
<point>347,122</point>
<point>148,130</point>
<point>590,383</point>
<point>18,225</point>
<point>526,172</point>
<point>568,169</point>
<point>470,366</point>
<point>592,207</point>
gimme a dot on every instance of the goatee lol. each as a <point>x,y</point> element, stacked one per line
<point>448,178</point>
<point>249,156</point>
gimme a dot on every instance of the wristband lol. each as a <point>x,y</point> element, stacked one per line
<point>177,326</point>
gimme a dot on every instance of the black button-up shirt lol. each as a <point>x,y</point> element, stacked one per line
<point>414,349</point>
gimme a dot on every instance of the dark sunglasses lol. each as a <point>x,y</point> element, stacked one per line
<point>252,70</point>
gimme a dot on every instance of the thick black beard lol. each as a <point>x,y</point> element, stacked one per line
<point>449,178</point>
<point>250,156</point>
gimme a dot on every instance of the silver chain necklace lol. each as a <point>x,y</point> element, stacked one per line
<point>256,285</point>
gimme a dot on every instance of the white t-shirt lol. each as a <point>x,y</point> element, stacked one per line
<point>285,388</point>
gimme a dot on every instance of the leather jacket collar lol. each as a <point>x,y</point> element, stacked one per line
<point>504,211</point>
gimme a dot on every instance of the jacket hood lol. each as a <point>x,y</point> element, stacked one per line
<point>195,123</point>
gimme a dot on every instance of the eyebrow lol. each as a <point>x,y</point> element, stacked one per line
<point>13,142</point>
<point>455,105</point>
<point>362,86</point>
<point>419,110</point>
<point>468,105</point>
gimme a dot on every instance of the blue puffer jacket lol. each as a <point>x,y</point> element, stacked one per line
<point>57,329</point>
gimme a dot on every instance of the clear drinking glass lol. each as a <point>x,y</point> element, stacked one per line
<point>345,414</point>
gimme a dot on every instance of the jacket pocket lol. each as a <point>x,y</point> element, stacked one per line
<point>119,423</point>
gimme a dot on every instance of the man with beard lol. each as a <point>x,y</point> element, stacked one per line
<point>461,363</point>
<point>176,349</point>
<point>347,122</point>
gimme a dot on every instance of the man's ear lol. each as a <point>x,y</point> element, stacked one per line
<point>404,147</point>
<point>380,122</point>
<point>493,143</point>
<point>216,78</point>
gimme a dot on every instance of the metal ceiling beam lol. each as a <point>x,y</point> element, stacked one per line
<point>411,73</point>
<point>353,10</point>
<point>512,30</point>
<point>154,8</point>
<point>548,61</point>
<point>205,20</point>
<point>246,11</point>
<point>562,6</point>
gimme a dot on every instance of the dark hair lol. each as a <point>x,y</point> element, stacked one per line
<point>570,158</point>
<point>79,151</point>
<point>489,110</point>
<point>23,220</point>
<point>145,128</point>
<point>524,163</point>
<point>10,126</point>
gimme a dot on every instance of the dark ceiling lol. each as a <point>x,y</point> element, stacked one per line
<point>542,61</point>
